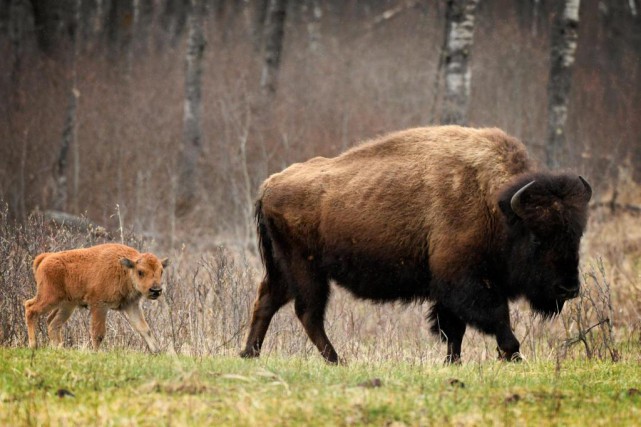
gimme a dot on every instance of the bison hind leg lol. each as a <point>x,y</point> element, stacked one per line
<point>310,304</point>
<point>450,328</point>
<point>272,295</point>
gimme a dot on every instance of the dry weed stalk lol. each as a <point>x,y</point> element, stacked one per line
<point>592,309</point>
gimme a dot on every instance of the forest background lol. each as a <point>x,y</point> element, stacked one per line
<point>156,120</point>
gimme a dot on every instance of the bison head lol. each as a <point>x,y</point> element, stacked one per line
<point>146,274</point>
<point>546,216</point>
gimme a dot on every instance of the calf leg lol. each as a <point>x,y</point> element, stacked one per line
<point>55,321</point>
<point>33,309</point>
<point>98,325</point>
<point>134,315</point>
<point>450,328</point>
<point>272,295</point>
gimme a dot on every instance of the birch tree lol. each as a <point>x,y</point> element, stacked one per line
<point>459,38</point>
<point>563,42</point>
<point>274,34</point>
<point>314,14</point>
<point>47,24</point>
<point>192,135</point>
<point>259,16</point>
<point>61,191</point>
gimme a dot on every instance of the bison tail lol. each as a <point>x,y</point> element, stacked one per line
<point>37,261</point>
<point>265,241</point>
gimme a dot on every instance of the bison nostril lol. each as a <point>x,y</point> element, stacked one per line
<point>567,293</point>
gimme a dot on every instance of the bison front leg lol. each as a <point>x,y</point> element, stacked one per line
<point>134,315</point>
<point>497,322</point>
<point>450,328</point>
<point>508,345</point>
<point>481,305</point>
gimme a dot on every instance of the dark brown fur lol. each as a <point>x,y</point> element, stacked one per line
<point>422,214</point>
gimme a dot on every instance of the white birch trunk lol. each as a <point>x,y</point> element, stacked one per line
<point>459,39</point>
<point>314,16</point>
<point>274,34</point>
<point>563,42</point>
<point>61,191</point>
<point>192,136</point>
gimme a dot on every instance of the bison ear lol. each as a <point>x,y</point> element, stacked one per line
<point>127,262</point>
<point>504,205</point>
<point>164,262</point>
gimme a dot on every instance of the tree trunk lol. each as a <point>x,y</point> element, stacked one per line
<point>118,27</point>
<point>314,14</point>
<point>47,20</point>
<point>173,19</point>
<point>192,135</point>
<point>18,14</point>
<point>144,22</point>
<point>60,197</point>
<point>274,34</point>
<point>563,42</point>
<point>259,16</point>
<point>459,39</point>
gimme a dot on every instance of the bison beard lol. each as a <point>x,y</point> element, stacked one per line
<point>452,215</point>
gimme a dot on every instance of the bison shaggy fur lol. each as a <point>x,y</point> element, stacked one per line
<point>102,277</point>
<point>460,217</point>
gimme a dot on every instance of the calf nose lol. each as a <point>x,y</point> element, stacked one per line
<point>155,292</point>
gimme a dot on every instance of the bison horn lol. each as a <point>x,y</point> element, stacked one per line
<point>515,202</point>
<point>588,189</point>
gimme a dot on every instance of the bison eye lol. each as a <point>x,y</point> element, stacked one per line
<point>140,273</point>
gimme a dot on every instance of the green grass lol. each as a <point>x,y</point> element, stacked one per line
<point>126,388</point>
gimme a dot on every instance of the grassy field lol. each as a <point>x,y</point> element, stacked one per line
<point>130,388</point>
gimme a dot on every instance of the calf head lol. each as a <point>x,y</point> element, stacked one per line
<point>546,216</point>
<point>146,274</point>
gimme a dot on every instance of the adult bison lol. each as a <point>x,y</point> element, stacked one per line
<point>102,277</point>
<point>452,215</point>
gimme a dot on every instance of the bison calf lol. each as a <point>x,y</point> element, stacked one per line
<point>456,216</point>
<point>103,277</point>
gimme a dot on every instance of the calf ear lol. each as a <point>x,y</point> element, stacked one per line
<point>164,262</point>
<point>127,262</point>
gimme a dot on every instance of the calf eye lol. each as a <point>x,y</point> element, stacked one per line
<point>140,273</point>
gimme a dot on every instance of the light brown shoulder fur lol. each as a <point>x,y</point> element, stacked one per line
<point>423,191</point>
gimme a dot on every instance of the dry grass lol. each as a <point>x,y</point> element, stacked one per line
<point>209,294</point>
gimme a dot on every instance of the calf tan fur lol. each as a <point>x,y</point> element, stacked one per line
<point>102,277</point>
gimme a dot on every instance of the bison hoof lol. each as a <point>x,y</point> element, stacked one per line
<point>516,357</point>
<point>249,353</point>
<point>452,360</point>
<point>337,361</point>
<point>510,357</point>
